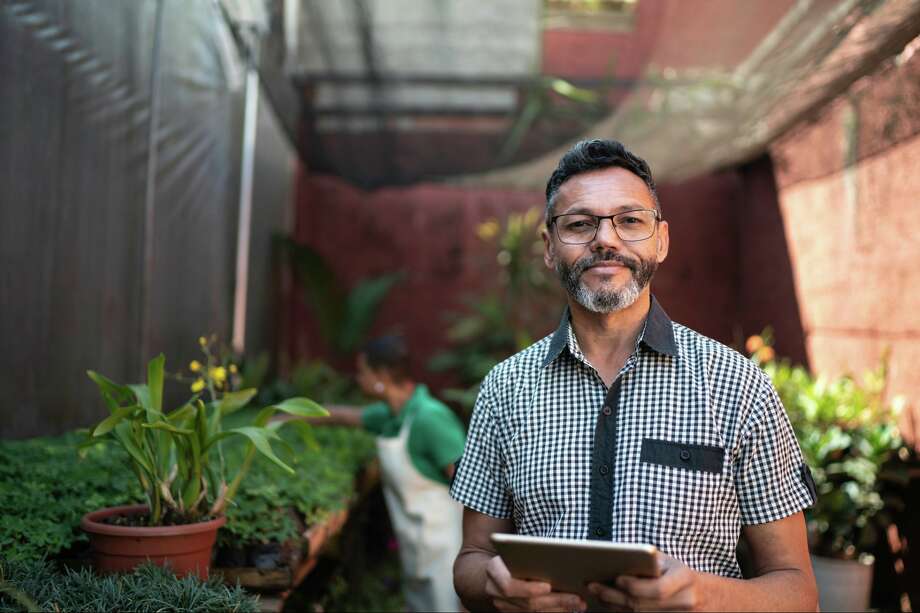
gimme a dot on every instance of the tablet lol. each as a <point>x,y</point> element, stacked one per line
<point>570,564</point>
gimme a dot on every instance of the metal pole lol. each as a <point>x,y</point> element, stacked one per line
<point>150,192</point>
<point>245,216</point>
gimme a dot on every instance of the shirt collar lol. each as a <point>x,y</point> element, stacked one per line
<point>658,333</point>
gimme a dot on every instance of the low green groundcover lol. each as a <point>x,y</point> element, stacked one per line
<point>45,489</point>
<point>38,585</point>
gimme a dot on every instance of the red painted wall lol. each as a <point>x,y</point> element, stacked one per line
<point>429,232</point>
<point>848,186</point>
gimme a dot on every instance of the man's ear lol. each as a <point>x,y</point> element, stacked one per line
<point>663,242</point>
<point>548,254</point>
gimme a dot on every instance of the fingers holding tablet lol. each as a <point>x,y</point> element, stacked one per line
<point>510,594</point>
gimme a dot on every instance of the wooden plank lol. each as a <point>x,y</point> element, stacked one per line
<point>284,580</point>
<point>268,580</point>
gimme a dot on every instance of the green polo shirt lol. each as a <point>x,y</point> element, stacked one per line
<point>437,436</point>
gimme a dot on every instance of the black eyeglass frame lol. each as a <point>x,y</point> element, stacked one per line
<point>600,218</point>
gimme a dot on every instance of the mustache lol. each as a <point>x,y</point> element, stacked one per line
<point>610,256</point>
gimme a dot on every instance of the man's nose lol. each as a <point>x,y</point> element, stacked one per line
<point>606,234</point>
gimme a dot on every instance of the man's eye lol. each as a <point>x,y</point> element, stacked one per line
<point>579,225</point>
<point>630,220</point>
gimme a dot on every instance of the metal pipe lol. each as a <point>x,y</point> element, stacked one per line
<point>245,213</point>
<point>149,228</point>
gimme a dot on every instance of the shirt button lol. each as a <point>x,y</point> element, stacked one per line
<point>607,411</point>
<point>605,469</point>
<point>684,455</point>
<point>600,531</point>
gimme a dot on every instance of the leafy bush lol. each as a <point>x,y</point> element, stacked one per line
<point>45,489</point>
<point>502,320</point>
<point>149,588</point>
<point>848,436</point>
<point>323,482</point>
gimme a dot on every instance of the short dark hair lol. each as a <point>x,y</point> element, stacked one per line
<point>388,353</point>
<point>588,155</point>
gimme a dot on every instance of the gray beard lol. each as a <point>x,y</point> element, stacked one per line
<point>605,300</point>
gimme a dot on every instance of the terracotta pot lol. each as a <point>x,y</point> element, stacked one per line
<point>186,548</point>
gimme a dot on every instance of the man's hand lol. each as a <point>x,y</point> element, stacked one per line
<point>676,589</point>
<point>510,594</point>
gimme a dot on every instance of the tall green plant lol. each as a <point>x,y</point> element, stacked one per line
<point>345,316</point>
<point>176,455</point>
<point>848,435</point>
<point>504,318</point>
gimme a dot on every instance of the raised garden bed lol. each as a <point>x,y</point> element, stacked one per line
<point>279,521</point>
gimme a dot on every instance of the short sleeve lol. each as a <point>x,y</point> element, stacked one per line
<point>479,482</point>
<point>771,477</point>
<point>442,436</point>
<point>374,417</point>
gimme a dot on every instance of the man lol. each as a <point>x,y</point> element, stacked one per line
<point>625,426</point>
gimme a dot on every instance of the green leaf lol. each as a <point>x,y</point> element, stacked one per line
<point>117,416</point>
<point>323,292</point>
<point>155,381</point>
<point>302,407</point>
<point>259,437</point>
<point>234,401</point>
<point>165,425</point>
<point>117,392</point>
<point>125,436</point>
<point>361,307</point>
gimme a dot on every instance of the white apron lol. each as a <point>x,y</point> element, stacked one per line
<point>428,525</point>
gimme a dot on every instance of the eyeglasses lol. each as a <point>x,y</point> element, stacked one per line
<point>581,228</point>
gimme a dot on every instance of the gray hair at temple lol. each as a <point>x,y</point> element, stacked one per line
<point>588,155</point>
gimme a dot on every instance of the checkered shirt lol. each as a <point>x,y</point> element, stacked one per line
<point>688,444</point>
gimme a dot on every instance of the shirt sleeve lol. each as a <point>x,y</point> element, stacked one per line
<point>479,482</point>
<point>374,417</point>
<point>443,436</point>
<point>771,477</point>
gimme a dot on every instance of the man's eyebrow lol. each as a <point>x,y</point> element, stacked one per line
<point>581,210</point>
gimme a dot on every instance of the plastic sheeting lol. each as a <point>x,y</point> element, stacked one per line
<point>74,151</point>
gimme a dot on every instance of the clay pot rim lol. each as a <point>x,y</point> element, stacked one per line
<point>91,523</point>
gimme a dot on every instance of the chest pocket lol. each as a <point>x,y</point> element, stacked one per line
<point>683,488</point>
<point>702,458</point>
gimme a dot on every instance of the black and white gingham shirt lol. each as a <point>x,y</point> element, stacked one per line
<point>688,443</point>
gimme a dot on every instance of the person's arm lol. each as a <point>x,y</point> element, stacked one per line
<point>783,580</point>
<point>483,582</point>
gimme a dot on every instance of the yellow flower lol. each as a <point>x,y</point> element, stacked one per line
<point>218,373</point>
<point>194,366</point>
<point>198,385</point>
<point>202,341</point>
<point>488,229</point>
<point>753,344</point>
<point>233,368</point>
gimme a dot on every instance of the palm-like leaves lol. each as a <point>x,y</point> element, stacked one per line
<point>175,455</point>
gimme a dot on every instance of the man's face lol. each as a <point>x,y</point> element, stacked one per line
<point>607,274</point>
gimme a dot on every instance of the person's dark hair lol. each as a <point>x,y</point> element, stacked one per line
<point>388,353</point>
<point>588,155</point>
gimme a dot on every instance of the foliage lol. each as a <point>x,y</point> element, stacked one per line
<point>44,491</point>
<point>849,439</point>
<point>177,457</point>
<point>345,317</point>
<point>314,379</point>
<point>500,322</point>
<point>323,483</point>
<point>149,588</point>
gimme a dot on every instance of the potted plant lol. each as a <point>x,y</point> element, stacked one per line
<point>177,458</point>
<point>848,436</point>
